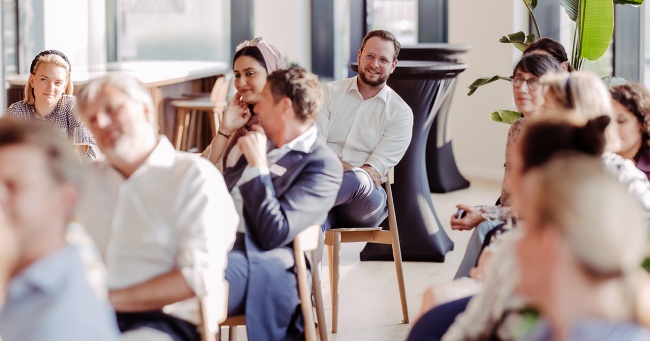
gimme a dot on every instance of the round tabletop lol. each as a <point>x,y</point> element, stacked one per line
<point>423,68</point>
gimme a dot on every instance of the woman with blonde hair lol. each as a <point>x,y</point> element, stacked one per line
<point>583,240</point>
<point>48,97</point>
<point>580,96</point>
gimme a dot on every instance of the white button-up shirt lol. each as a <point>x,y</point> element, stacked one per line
<point>376,131</point>
<point>173,212</point>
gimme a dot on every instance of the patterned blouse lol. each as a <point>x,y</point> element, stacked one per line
<point>63,117</point>
<point>513,136</point>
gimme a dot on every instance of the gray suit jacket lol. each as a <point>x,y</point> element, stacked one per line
<point>276,209</point>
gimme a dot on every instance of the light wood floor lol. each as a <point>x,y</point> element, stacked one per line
<point>369,305</point>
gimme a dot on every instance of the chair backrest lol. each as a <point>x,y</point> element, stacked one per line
<point>220,91</point>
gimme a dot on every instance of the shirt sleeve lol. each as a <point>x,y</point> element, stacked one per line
<point>323,118</point>
<point>207,222</point>
<point>393,143</point>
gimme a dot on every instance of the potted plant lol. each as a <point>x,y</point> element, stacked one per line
<point>593,32</point>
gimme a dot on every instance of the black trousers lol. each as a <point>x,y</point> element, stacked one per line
<point>177,329</point>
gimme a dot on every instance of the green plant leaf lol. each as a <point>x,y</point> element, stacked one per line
<point>571,8</point>
<point>519,39</point>
<point>482,81</point>
<point>595,28</point>
<point>533,3</point>
<point>505,116</point>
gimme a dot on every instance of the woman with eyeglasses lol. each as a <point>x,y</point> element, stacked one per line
<point>529,100</point>
<point>48,98</point>
<point>254,60</point>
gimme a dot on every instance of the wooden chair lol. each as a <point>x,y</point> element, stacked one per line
<point>336,236</point>
<point>189,122</point>
<point>308,240</point>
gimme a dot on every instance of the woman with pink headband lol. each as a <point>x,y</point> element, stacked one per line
<point>254,60</point>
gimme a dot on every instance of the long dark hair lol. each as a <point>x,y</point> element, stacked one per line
<point>551,47</point>
<point>636,98</point>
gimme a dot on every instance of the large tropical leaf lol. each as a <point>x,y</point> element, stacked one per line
<point>595,28</point>
<point>505,116</point>
<point>571,8</point>
<point>482,81</point>
<point>519,39</point>
<point>533,3</point>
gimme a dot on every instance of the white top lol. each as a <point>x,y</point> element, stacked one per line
<point>173,212</point>
<point>301,143</point>
<point>376,131</point>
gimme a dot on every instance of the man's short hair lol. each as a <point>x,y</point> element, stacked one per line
<point>301,87</point>
<point>63,163</point>
<point>385,35</point>
<point>126,84</point>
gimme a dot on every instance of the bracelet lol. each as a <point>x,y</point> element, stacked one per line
<point>222,134</point>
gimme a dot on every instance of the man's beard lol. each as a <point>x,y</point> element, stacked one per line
<point>381,80</point>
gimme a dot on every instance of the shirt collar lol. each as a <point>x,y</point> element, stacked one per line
<point>161,157</point>
<point>47,274</point>
<point>382,94</point>
<point>304,141</point>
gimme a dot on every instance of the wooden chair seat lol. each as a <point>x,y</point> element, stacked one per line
<point>335,236</point>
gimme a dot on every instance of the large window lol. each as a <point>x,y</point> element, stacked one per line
<point>173,30</point>
<point>400,17</point>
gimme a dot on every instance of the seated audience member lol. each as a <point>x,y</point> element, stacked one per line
<point>163,220</point>
<point>369,127</point>
<point>579,254</point>
<point>278,194</point>
<point>254,60</point>
<point>49,297</point>
<point>529,99</point>
<point>551,48</point>
<point>632,106</point>
<point>581,96</point>
<point>48,97</point>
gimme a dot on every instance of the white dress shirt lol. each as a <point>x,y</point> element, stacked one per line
<point>301,143</point>
<point>376,131</point>
<point>173,212</point>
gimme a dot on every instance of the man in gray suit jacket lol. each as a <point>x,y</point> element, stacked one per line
<point>279,189</point>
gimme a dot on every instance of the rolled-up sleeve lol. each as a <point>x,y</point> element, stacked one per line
<point>207,225</point>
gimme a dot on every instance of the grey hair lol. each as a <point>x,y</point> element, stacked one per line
<point>131,87</point>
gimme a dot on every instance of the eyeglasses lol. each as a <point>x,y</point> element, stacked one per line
<point>532,83</point>
<point>370,57</point>
<point>253,42</point>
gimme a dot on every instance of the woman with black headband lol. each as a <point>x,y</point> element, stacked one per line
<point>48,98</point>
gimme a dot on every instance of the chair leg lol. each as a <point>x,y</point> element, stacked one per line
<point>186,128</point>
<point>180,116</point>
<point>397,257</point>
<point>336,250</point>
<point>318,301</point>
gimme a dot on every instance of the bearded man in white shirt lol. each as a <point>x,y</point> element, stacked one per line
<point>163,220</point>
<point>369,127</point>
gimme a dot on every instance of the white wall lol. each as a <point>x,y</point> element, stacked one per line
<point>286,24</point>
<point>478,142</point>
